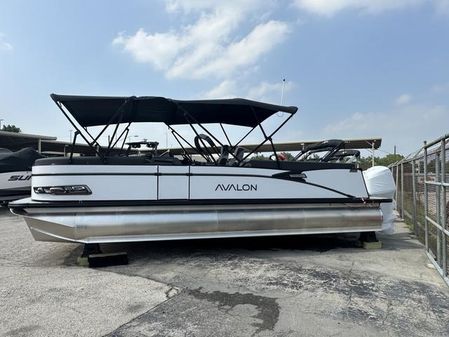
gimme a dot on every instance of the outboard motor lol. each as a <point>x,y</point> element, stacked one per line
<point>380,183</point>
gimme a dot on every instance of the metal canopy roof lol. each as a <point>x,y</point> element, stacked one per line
<point>358,144</point>
<point>98,110</point>
<point>15,141</point>
<point>368,143</point>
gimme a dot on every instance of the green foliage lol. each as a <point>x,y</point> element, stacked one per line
<point>11,128</point>
<point>260,156</point>
<point>366,162</point>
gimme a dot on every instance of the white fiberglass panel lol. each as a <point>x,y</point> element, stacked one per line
<point>233,170</point>
<point>173,182</point>
<point>74,169</point>
<point>241,187</point>
<point>15,180</point>
<point>345,181</point>
<point>103,187</point>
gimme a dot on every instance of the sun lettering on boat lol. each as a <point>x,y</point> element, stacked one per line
<point>236,187</point>
<point>19,177</point>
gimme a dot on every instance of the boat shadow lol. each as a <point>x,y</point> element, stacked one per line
<point>274,245</point>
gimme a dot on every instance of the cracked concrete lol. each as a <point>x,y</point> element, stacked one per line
<point>285,286</point>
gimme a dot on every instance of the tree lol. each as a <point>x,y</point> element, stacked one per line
<point>389,159</point>
<point>366,162</point>
<point>259,156</point>
<point>11,128</point>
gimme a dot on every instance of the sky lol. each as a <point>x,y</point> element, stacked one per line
<point>355,68</point>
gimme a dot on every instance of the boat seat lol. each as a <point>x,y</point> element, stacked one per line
<point>237,157</point>
<point>299,165</point>
<point>224,155</point>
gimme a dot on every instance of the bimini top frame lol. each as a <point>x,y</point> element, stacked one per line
<point>86,111</point>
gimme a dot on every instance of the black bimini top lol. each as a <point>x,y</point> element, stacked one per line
<point>96,110</point>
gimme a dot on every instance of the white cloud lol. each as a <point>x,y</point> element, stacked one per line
<point>264,91</point>
<point>157,49</point>
<point>269,92</point>
<point>225,89</point>
<point>442,6</point>
<point>403,99</point>
<point>442,88</point>
<point>404,126</point>
<point>189,6</point>
<point>5,45</point>
<point>331,7</point>
<point>222,61</point>
<point>212,45</point>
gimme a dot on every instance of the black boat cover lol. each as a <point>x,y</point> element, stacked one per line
<point>21,160</point>
<point>97,110</point>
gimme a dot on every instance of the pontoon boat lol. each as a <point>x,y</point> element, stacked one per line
<point>155,196</point>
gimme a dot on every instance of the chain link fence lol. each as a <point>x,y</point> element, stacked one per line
<point>422,198</point>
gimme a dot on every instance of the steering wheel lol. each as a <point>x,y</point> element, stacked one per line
<point>200,145</point>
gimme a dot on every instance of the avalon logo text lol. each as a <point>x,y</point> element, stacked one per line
<point>236,187</point>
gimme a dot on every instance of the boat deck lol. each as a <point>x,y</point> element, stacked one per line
<point>284,286</point>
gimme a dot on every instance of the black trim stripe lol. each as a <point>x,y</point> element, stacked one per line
<point>184,202</point>
<point>157,183</point>
<point>15,191</point>
<point>328,189</point>
<point>188,185</point>
<point>95,174</point>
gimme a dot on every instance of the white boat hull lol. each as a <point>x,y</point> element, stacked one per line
<point>15,185</point>
<point>129,203</point>
<point>157,182</point>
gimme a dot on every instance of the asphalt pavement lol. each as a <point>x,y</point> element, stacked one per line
<point>283,286</point>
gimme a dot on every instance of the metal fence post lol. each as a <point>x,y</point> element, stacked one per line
<point>402,190</point>
<point>436,218</point>
<point>443,206</point>
<point>426,229</point>
<point>414,220</point>
<point>397,186</point>
<point>439,255</point>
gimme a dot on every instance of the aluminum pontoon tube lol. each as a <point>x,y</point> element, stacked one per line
<point>128,224</point>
